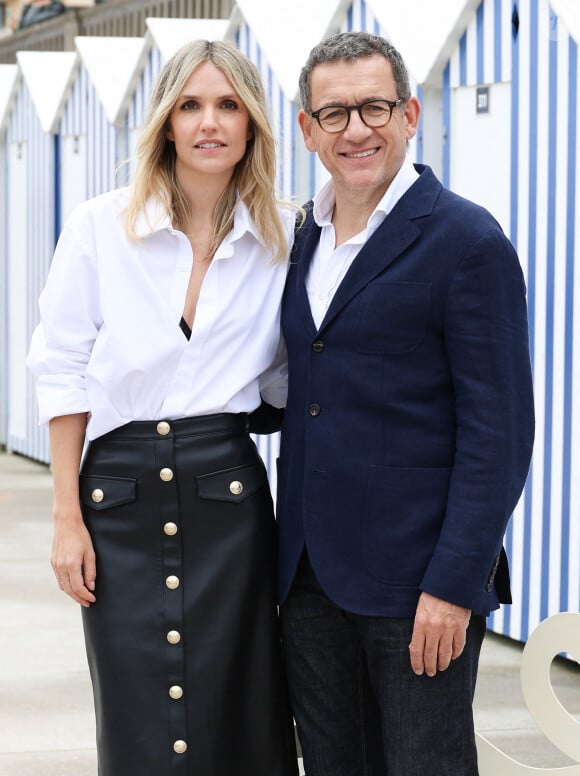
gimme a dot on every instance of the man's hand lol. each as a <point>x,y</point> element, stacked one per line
<point>438,634</point>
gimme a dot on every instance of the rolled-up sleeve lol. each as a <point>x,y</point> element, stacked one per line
<point>70,319</point>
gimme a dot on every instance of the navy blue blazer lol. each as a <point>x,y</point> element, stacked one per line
<point>409,426</point>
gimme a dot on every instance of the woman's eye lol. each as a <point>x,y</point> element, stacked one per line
<point>189,105</point>
<point>229,105</point>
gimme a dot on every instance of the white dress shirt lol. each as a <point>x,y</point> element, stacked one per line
<point>329,264</point>
<point>109,342</point>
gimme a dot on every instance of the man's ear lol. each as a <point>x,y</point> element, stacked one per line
<point>412,113</point>
<point>306,126</point>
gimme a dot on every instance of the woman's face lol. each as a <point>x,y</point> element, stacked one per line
<point>209,125</point>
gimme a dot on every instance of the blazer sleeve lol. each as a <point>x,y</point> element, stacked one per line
<point>487,346</point>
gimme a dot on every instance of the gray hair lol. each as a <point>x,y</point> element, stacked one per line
<point>349,46</point>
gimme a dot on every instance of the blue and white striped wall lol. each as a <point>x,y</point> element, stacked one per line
<point>527,47</point>
<point>30,180</point>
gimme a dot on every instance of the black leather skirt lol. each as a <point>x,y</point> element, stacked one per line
<point>183,641</point>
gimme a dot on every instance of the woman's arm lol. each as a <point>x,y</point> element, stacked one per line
<point>73,557</point>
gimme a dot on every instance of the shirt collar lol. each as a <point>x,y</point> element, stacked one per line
<point>323,202</point>
<point>154,218</point>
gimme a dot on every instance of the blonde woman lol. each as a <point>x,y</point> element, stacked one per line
<point>159,334</point>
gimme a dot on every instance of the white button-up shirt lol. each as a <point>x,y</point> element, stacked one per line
<point>329,264</point>
<point>109,341</point>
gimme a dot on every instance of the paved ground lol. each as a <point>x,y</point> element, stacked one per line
<point>46,719</point>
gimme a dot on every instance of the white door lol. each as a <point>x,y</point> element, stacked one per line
<point>480,149</point>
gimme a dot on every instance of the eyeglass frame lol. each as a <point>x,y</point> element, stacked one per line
<point>358,108</point>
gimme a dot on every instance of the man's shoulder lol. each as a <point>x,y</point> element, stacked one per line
<point>464,214</point>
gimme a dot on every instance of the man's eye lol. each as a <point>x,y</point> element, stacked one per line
<point>333,114</point>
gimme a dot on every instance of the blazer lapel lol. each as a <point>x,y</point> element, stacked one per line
<point>390,240</point>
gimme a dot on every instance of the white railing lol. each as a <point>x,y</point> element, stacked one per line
<point>557,634</point>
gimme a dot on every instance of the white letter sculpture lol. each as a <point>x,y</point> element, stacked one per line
<point>556,634</point>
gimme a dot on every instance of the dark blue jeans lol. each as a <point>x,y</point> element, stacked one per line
<point>359,708</point>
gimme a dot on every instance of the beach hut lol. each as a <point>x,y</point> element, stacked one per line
<point>29,196</point>
<point>8,83</point>
<point>509,78</point>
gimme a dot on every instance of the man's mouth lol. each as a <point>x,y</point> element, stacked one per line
<point>361,154</point>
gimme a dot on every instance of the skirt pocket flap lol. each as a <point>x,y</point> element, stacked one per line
<point>232,484</point>
<point>100,492</point>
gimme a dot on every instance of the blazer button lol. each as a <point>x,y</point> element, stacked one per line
<point>314,410</point>
<point>318,346</point>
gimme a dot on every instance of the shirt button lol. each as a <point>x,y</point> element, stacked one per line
<point>172,582</point>
<point>97,495</point>
<point>163,428</point>
<point>170,529</point>
<point>180,747</point>
<point>175,692</point>
<point>236,487</point>
<point>318,346</point>
<point>166,475</point>
<point>314,410</point>
<point>174,637</point>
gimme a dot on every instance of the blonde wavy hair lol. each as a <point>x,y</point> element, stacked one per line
<point>254,176</point>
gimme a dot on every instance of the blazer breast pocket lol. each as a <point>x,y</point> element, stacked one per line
<point>392,317</point>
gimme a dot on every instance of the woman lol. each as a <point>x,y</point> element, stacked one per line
<point>159,334</point>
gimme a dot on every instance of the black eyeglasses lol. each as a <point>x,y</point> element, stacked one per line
<point>374,113</point>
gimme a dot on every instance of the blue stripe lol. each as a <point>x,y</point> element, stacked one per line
<point>377,28</point>
<point>463,60</point>
<point>293,134</point>
<point>312,176</point>
<point>497,54</point>
<point>532,212</point>
<point>282,128</point>
<point>565,602</point>
<point>349,19</point>
<point>550,281</point>
<point>420,143</point>
<point>446,124</point>
<point>363,15</point>
<point>514,204</point>
<point>57,189</point>
<point>480,46</point>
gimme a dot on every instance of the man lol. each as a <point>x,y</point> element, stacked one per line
<point>407,435</point>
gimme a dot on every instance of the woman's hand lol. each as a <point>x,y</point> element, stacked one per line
<point>73,558</point>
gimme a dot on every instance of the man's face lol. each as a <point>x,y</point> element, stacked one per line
<point>359,157</point>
